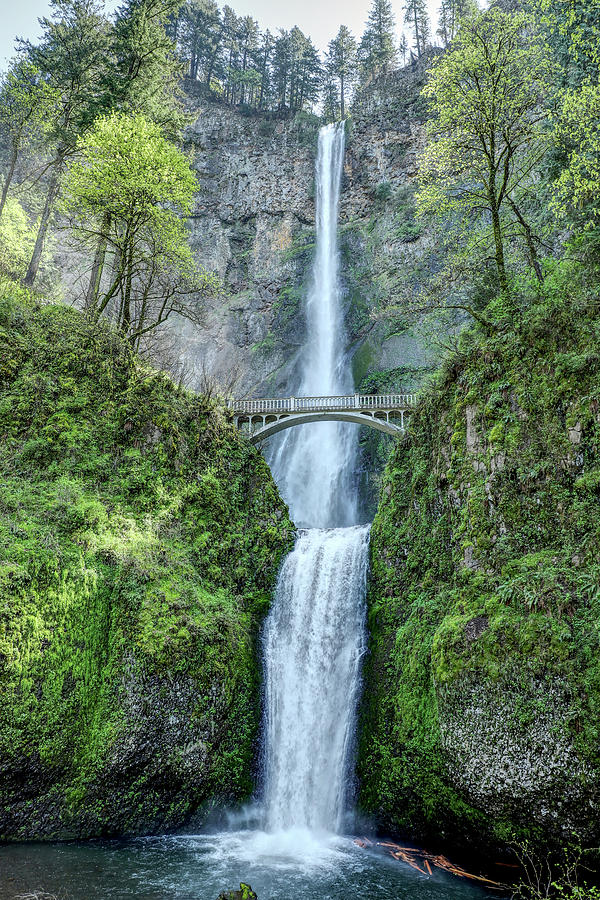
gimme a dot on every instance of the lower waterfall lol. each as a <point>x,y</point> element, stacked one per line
<point>313,642</point>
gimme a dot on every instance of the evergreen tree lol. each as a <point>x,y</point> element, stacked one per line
<point>262,59</point>
<point>281,68</point>
<point>403,48</point>
<point>417,19</point>
<point>72,58</point>
<point>198,32</point>
<point>144,70</point>
<point>341,63</point>
<point>450,15</point>
<point>249,42</point>
<point>377,50</point>
<point>26,109</point>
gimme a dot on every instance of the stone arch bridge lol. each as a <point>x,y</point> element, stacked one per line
<point>260,419</point>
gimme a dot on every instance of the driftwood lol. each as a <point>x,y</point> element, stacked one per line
<point>413,857</point>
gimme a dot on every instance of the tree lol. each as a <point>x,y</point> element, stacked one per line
<point>451,14</point>
<point>200,25</point>
<point>403,48</point>
<point>487,133</point>
<point>26,105</point>
<point>71,57</point>
<point>143,70</point>
<point>417,19</point>
<point>141,76</point>
<point>341,63</point>
<point>128,174</point>
<point>377,51</point>
<point>578,132</point>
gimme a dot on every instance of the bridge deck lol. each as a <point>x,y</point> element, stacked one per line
<point>364,402</point>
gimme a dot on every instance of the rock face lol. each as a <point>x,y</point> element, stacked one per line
<point>482,688</point>
<point>140,537</point>
<point>253,225</point>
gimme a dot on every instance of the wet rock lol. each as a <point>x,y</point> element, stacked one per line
<point>245,893</point>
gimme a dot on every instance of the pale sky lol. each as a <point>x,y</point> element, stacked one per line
<point>320,19</point>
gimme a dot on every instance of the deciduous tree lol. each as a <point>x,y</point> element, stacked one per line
<point>487,133</point>
<point>126,173</point>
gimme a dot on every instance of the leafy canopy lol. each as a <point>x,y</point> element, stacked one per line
<point>489,128</point>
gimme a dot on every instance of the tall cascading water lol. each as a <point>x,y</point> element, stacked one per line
<point>313,465</point>
<point>314,635</point>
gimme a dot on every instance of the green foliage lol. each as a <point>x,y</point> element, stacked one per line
<point>416,16</point>
<point>137,206</point>
<point>485,568</point>
<point>578,131</point>
<point>139,539</point>
<point>377,51</point>
<point>26,108</point>
<point>486,134</point>
<point>17,238</point>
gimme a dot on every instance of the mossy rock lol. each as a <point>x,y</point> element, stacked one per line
<point>482,688</point>
<point>140,537</point>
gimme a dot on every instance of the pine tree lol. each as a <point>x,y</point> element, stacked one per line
<point>341,63</point>
<point>72,58</point>
<point>417,19</point>
<point>263,56</point>
<point>451,13</point>
<point>377,50</point>
<point>403,48</point>
<point>26,108</point>
<point>198,30</point>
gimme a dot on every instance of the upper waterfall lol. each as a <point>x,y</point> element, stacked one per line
<point>314,465</point>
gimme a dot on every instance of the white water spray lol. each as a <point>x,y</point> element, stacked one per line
<point>314,635</point>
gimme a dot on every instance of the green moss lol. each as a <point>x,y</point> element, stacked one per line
<point>485,574</point>
<point>140,536</point>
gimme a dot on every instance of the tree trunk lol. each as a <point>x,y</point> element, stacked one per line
<point>499,248</point>
<point>8,179</point>
<point>342,96</point>
<point>126,312</point>
<point>36,256</point>
<point>533,256</point>
<point>95,278</point>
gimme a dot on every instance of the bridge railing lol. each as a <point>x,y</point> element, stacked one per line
<point>303,404</point>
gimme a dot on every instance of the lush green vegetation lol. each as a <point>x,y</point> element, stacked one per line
<point>485,576</point>
<point>139,540</point>
<point>480,720</point>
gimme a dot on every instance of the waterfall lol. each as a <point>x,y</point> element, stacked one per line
<point>313,464</point>
<point>314,635</point>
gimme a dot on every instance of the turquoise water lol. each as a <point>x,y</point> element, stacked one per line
<point>294,866</point>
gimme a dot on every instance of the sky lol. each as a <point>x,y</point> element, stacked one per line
<point>320,19</point>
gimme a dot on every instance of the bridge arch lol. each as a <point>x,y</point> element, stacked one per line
<point>273,426</point>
